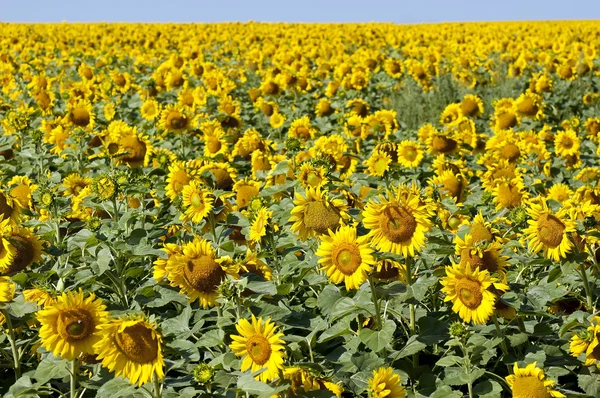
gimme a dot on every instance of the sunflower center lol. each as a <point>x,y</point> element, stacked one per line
<point>80,117</point>
<point>313,179</point>
<point>398,224</point>
<point>387,271</point>
<point>469,293</point>
<point>509,196</point>
<point>511,152</point>
<point>567,143</point>
<point>196,200</point>
<point>480,233</point>
<point>320,218</point>
<point>410,154</point>
<point>346,257</point>
<point>487,261</point>
<point>138,343</point>
<point>24,254</point>
<point>507,120</point>
<point>529,386</point>
<point>75,324</point>
<point>528,107</point>
<point>213,144</point>
<point>203,273</point>
<point>550,230</point>
<point>176,121</point>
<point>303,133</point>
<point>443,144</point>
<point>259,349</point>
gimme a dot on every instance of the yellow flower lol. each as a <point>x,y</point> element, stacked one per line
<point>467,288</point>
<point>197,202</point>
<point>150,109</point>
<point>258,227</point>
<point>260,347</point>
<point>312,176</point>
<point>566,143</point>
<point>385,384</point>
<point>7,289</point>
<point>41,297</point>
<point>71,325</point>
<point>410,153</point>
<point>531,382</point>
<point>549,231</point>
<point>316,213</point>
<point>131,348</point>
<point>345,257</point>
<point>378,163</point>
<point>276,120</point>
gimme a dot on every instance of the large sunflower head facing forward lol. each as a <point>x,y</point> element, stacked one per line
<point>71,325</point>
<point>549,231</point>
<point>385,384</point>
<point>345,257</point>
<point>397,225</point>
<point>131,347</point>
<point>469,292</point>
<point>531,382</point>
<point>316,213</point>
<point>80,114</point>
<point>197,272</point>
<point>260,347</point>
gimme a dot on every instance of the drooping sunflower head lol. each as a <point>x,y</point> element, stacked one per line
<point>253,264</point>
<point>385,384</point>
<point>71,325</point>
<point>390,270</point>
<point>471,106</point>
<point>531,382</point>
<point>131,347</point>
<point>316,214</point>
<point>24,248</point>
<point>260,346</point>
<point>530,105</point>
<point>245,190</point>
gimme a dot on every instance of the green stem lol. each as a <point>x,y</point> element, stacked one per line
<point>13,345</point>
<point>586,287</point>
<point>74,374</point>
<point>157,387</point>
<point>115,208</point>
<point>275,259</point>
<point>500,334</point>
<point>411,308</point>
<point>375,302</point>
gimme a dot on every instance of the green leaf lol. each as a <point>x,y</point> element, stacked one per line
<point>449,360</point>
<point>51,368</point>
<point>518,339</point>
<point>590,384</point>
<point>248,384</point>
<point>378,340</point>
<point>211,338</point>
<point>118,388</point>
<point>412,347</point>
<point>487,389</point>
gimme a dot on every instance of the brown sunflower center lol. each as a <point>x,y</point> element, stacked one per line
<point>259,349</point>
<point>480,233</point>
<point>469,293</point>
<point>5,209</point>
<point>395,68</point>
<point>203,273</point>
<point>397,224</point>
<point>530,386</point>
<point>80,116</point>
<point>528,107</point>
<point>76,324</point>
<point>321,218</point>
<point>486,261</point>
<point>303,133</point>
<point>567,143</point>
<point>507,120</point>
<point>387,271</point>
<point>596,351</point>
<point>346,257</point>
<point>510,152</point>
<point>176,121</point>
<point>443,144</point>
<point>138,343</point>
<point>550,230</point>
<point>213,144</point>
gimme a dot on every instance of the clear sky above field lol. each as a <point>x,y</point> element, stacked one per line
<point>400,11</point>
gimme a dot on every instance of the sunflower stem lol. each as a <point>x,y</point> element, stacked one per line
<point>411,308</point>
<point>375,302</point>
<point>157,387</point>
<point>74,374</point>
<point>115,209</point>
<point>586,287</point>
<point>500,334</point>
<point>13,345</point>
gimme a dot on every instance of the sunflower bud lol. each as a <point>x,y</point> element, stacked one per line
<point>458,330</point>
<point>45,198</point>
<point>94,224</point>
<point>203,373</point>
<point>518,215</point>
<point>293,145</point>
<point>105,187</point>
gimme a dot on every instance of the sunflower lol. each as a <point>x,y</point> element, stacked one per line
<point>150,109</point>
<point>452,184</point>
<point>134,149</point>
<point>397,225</point>
<point>131,347</point>
<point>410,153</point>
<point>215,144</point>
<point>307,380</point>
<point>567,143</point>
<point>174,119</point>
<point>301,129</point>
<point>244,191</point>
<point>450,114</point>
<point>9,208</point>
<point>483,231</point>
<point>509,194</point>
<point>71,325</point>
<point>197,272</point>
<point>260,347</point>
<point>160,265</point>
<point>312,176</point>
<point>40,296</point>
<point>253,264</point>
<point>531,382</point>
<point>276,120</point>
<point>483,255</point>
<point>345,257</point>
<point>469,292</point>
<point>378,163</point>
<point>505,118</point>
<point>441,142</point>
<point>74,183</point>
<point>385,384</point>
<point>393,67</point>
<point>390,270</point>
<point>80,114</point>
<point>560,193</point>
<point>22,188</point>
<point>223,175</point>
<point>530,105</point>
<point>587,342</point>
<point>7,289</point>
<point>316,214</point>
<point>20,248</point>
<point>324,108</point>
<point>471,106</point>
<point>258,227</point>
<point>197,202</point>
<point>177,179</point>
<point>549,231</point>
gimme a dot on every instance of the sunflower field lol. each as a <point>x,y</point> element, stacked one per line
<point>295,210</point>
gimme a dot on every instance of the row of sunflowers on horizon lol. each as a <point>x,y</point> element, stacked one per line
<point>230,209</point>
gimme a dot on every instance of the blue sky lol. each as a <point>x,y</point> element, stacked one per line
<point>400,11</point>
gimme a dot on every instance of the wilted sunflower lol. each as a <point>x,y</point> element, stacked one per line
<point>531,382</point>
<point>260,347</point>
<point>71,325</point>
<point>385,384</point>
<point>197,202</point>
<point>316,213</point>
<point>345,257</point>
<point>468,289</point>
<point>131,347</point>
<point>549,231</point>
<point>397,225</point>
<point>197,272</point>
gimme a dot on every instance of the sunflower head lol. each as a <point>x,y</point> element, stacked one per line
<point>531,381</point>
<point>385,384</point>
